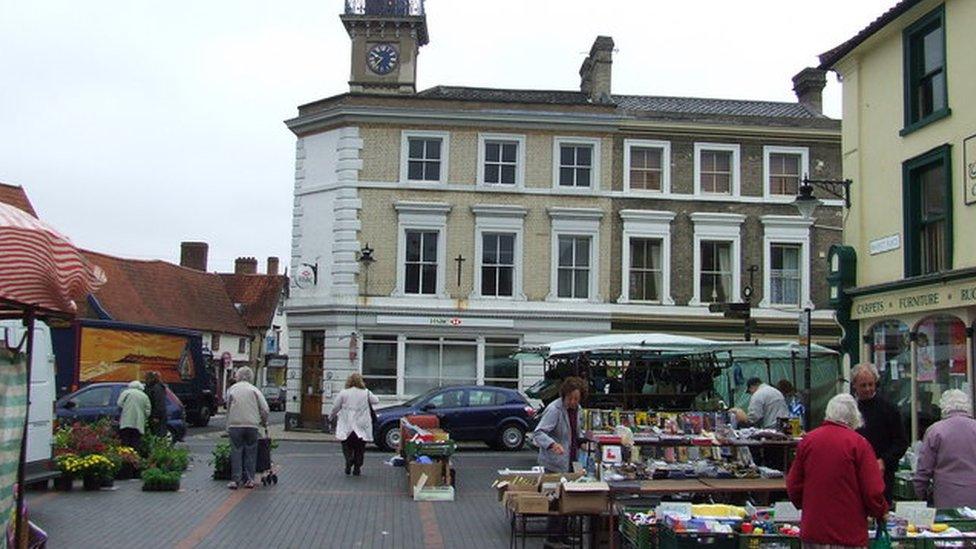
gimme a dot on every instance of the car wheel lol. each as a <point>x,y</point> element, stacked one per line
<point>203,417</point>
<point>511,437</point>
<point>389,439</point>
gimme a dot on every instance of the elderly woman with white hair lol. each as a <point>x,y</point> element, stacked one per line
<point>247,410</point>
<point>836,480</point>
<point>946,467</point>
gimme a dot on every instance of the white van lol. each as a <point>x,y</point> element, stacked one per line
<point>40,429</point>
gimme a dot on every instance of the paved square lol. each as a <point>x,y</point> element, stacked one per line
<point>314,505</point>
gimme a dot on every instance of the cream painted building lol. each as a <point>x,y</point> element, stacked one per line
<point>436,231</point>
<point>909,145</point>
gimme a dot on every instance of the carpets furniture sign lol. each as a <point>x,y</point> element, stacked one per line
<point>969,165</point>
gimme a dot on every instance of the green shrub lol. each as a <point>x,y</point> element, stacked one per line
<point>155,479</point>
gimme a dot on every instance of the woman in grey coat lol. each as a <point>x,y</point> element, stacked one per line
<point>559,438</point>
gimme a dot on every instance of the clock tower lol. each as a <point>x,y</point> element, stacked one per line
<point>386,39</point>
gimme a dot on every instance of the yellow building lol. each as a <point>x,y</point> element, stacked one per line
<point>909,146</point>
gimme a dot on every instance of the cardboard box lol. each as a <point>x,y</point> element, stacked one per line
<point>515,482</point>
<point>437,473</point>
<point>584,497</point>
<point>529,503</point>
<point>549,482</point>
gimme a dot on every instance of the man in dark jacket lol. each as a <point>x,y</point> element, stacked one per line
<point>882,423</point>
<point>157,399</point>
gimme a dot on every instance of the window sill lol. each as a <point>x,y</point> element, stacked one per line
<point>934,117</point>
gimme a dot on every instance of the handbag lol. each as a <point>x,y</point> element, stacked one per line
<point>882,539</point>
<point>372,412</point>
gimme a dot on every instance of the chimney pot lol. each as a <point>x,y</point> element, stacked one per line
<point>193,255</point>
<point>808,85</point>
<point>272,265</point>
<point>246,265</point>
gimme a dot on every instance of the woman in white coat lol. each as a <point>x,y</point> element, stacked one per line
<point>355,425</point>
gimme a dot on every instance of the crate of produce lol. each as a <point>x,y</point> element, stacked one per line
<point>768,541</point>
<point>955,519</point>
<point>639,536</point>
<point>669,539</point>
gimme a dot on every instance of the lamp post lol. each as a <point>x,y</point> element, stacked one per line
<point>366,259</point>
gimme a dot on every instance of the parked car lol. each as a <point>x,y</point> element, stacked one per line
<point>100,400</point>
<point>276,397</point>
<point>497,416</point>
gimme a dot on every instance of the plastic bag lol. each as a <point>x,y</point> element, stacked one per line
<point>882,540</point>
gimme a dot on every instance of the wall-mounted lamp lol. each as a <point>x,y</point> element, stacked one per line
<point>806,203</point>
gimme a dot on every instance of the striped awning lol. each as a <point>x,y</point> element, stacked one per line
<point>39,266</point>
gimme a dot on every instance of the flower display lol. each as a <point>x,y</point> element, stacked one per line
<point>92,465</point>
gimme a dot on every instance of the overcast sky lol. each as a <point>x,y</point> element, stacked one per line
<point>136,125</point>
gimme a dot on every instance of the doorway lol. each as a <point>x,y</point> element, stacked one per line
<point>313,349</point>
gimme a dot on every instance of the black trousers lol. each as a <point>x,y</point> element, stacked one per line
<point>131,437</point>
<point>354,450</point>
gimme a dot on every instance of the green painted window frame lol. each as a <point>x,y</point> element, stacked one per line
<point>911,207</point>
<point>910,76</point>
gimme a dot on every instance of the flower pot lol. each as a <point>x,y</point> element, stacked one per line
<point>126,472</point>
<point>91,483</point>
<point>108,482</point>
<point>222,473</point>
<point>161,487</point>
<point>64,483</point>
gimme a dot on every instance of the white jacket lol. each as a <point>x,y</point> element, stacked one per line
<point>352,408</point>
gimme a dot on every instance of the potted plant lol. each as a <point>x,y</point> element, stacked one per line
<point>70,467</point>
<point>95,470</point>
<point>127,461</point>
<point>221,461</point>
<point>155,479</point>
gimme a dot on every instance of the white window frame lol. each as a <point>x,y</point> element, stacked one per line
<point>803,152</point>
<point>557,143</point>
<point>647,224</point>
<point>735,184</point>
<point>575,222</point>
<point>665,147</point>
<point>490,218</point>
<point>405,136</point>
<point>482,352</point>
<point>483,139</point>
<point>421,216</point>
<point>722,227</point>
<point>786,229</point>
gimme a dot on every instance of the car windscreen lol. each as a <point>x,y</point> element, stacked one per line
<point>270,391</point>
<point>420,398</point>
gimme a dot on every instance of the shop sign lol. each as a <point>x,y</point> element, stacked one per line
<point>886,244</point>
<point>305,276</point>
<point>969,169</point>
<point>447,321</point>
<point>278,362</point>
<point>915,300</point>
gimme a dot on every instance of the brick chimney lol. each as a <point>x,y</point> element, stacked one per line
<point>272,265</point>
<point>595,74</point>
<point>246,266</point>
<point>808,85</point>
<point>193,255</point>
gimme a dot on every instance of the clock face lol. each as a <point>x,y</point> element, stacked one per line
<point>382,58</point>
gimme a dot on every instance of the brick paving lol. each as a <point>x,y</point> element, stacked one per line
<point>314,505</point>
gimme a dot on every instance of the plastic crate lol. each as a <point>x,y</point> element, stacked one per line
<point>637,535</point>
<point>903,489</point>
<point>431,449</point>
<point>769,541</point>
<point>669,539</point>
<point>953,518</point>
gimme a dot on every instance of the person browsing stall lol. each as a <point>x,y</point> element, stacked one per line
<point>947,460</point>
<point>766,405</point>
<point>247,410</point>
<point>135,410</point>
<point>882,423</point>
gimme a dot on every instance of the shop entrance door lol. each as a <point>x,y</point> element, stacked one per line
<point>313,348</point>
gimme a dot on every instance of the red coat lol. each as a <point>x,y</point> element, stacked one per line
<point>836,481</point>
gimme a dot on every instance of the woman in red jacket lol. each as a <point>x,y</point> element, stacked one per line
<point>836,481</point>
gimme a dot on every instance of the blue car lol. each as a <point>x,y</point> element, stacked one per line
<point>100,400</point>
<point>500,417</point>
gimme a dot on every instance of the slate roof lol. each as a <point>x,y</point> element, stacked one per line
<point>157,293</point>
<point>638,105</point>
<point>830,58</point>
<point>258,296</point>
<point>17,197</point>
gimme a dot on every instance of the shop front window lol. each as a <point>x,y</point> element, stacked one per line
<point>436,362</point>
<point>380,364</point>
<point>501,370</point>
<point>941,364</point>
<point>890,352</point>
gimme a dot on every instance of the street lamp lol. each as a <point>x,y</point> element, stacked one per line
<point>366,259</point>
<point>806,203</point>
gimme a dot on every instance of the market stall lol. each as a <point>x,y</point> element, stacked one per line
<point>41,276</point>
